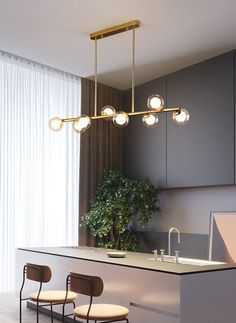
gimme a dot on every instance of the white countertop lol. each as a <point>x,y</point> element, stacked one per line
<point>132,259</point>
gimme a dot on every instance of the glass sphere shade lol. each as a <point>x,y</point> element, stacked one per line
<point>181,118</point>
<point>121,119</point>
<point>155,102</point>
<point>150,120</point>
<point>108,110</point>
<point>82,124</point>
<point>55,123</point>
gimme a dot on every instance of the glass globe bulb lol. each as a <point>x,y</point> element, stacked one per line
<point>82,124</point>
<point>55,124</point>
<point>150,120</point>
<point>181,118</point>
<point>121,119</point>
<point>108,110</point>
<point>155,102</point>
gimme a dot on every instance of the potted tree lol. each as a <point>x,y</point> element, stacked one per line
<point>120,202</point>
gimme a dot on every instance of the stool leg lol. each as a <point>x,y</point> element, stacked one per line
<point>63,313</point>
<point>20,310</point>
<point>51,313</point>
<point>37,312</point>
<point>74,315</point>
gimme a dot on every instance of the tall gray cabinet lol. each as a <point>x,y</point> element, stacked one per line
<point>201,153</point>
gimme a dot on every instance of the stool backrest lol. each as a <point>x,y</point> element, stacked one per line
<point>39,273</point>
<point>85,284</point>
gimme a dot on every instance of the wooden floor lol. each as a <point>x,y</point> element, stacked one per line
<point>9,311</point>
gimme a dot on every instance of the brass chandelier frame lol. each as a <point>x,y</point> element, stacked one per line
<point>130,25</point>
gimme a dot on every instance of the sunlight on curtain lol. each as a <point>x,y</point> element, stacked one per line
<point>39,169</point>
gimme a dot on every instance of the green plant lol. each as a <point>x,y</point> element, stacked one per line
<point>120,202</point>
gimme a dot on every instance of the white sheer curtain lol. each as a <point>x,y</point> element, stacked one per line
<point>39,169</point>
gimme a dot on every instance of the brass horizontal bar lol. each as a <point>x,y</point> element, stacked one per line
<point>129,114</point>
<point>92,118</point>
<point>70,119</point>
<point>174,109</point>
<point>153,111</point>
<point>100,117</point>
<point>115,29</point>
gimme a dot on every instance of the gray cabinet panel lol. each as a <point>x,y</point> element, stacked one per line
<point>201,153</point>
<point>235,115</point>
<point>145,148</point>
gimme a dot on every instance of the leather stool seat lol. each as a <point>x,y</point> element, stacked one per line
<point>53,296</point>
<point>100,312</point>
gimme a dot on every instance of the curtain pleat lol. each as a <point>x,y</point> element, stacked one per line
<point>101,147</point>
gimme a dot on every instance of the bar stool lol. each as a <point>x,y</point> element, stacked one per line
<point>92,286</point>
<point>43,274</point>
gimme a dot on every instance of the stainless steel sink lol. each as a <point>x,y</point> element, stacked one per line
<point>188,261</point>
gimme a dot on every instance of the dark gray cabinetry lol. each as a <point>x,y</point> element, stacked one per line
<point>145,148</point>
<point>235,114</point>
<point>201,153</point>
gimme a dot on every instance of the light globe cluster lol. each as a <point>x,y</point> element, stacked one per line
<point>120,119</point>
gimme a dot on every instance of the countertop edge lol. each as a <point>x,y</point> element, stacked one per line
<point>194,269</point>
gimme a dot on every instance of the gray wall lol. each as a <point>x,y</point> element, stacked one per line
<point>189,210</point>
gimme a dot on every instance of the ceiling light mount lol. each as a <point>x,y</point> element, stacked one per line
<point>155,102</point>
<point>115,30</point>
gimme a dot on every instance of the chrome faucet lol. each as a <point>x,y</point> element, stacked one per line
<point>169,235</point>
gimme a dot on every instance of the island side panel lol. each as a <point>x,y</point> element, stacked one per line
<point>116,278</point>
<point>209,297</point>
<point>155,297</point>
<point>142,315</point>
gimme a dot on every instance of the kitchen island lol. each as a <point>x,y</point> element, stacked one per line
<point>154,291</point>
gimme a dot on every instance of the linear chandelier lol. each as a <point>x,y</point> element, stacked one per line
<point>155,102</point>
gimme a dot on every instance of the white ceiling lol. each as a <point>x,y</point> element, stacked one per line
<point>173,34</point>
